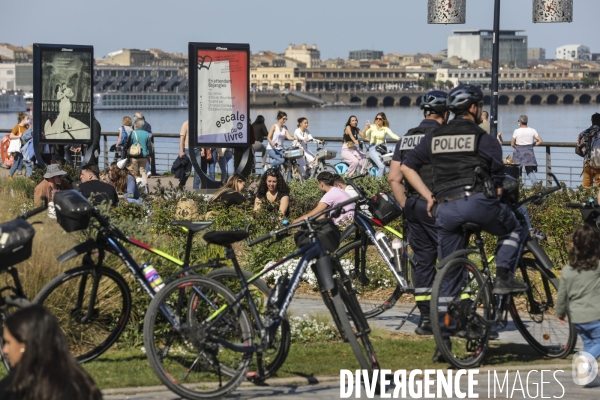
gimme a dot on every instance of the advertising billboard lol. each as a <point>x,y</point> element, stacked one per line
<point>219,94</point>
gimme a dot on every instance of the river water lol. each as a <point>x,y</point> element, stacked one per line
<point>554,123</point>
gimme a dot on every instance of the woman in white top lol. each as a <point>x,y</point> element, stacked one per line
<point>277,135</point>
<point>302,137</point>
<point>523,141</point>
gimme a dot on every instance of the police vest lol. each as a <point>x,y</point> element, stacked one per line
<point>455,155</point>
<point>407,143</point>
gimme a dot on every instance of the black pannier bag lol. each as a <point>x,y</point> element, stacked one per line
<point>326,231</point>
<point>385,208</point>
<point>16,239</point>
<point>73,211</point>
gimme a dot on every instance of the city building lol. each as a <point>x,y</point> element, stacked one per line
<point>573,52</point>
<point>275,78</point>
<point>127,57</point>
<point>24,77</point>
<point>536,53</point>
<point>366,55</point>
<point>304,53</point>
<point>271,59</point>
<point>15,54</point>
<point>7,76</point>
<point>473,45</point>
<point>117,78</point>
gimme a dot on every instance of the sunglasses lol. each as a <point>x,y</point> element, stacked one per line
<point>379,118</point>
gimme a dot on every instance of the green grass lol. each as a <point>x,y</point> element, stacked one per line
<point>129,368</point>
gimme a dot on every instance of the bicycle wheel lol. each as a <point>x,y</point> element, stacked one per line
<point>351,327</point>
<point>366,270</point>
<point>68,297</point>
<point>265,364</point>
<point>296,174</point>
<point>534,313</point>
<point>188,359</point>
<point>457,314</point>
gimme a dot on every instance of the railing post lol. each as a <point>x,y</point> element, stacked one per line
<point>105,151</point>
<point>548,166</point>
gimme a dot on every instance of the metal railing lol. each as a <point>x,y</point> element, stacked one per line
<point>556,157</point>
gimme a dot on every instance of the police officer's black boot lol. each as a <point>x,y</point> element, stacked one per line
<point>437,355</point>
<point>506,284</point>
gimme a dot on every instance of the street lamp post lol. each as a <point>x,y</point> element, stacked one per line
<point>454,12</point>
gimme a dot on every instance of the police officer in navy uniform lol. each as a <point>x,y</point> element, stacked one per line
<point>467,182</point>
<point>422,232</point>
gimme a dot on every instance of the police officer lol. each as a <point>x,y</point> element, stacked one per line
<point>422,232</point>
<point>466,162</point>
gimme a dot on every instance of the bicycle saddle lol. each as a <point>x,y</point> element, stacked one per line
<point>193,226</point>
<point>471,227</point>
<point>225,238</point>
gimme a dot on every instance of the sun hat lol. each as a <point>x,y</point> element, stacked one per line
<point>53,170</point>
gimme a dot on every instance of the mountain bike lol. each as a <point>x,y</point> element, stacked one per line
<point>199,339</point>
<point>93,303</point>
<point>469,314</point>
<point>17,239</point>
<point>370,250</point>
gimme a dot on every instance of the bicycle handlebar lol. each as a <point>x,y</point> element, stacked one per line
<point>35,211</point>
<point>586,204</point>
<point>541,195</point>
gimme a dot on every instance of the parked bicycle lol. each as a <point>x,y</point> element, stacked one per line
<point>93,303</point>
<point>198,338</point>
<point>16,240</point>
<point>468,316</point>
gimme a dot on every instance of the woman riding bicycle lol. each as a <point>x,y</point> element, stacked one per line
<point>377,135</point>
<point>277,135</point>
<point>350,152</point>
<point>302,137</point>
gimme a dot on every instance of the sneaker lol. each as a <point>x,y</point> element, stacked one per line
<point>424,327</point>
<point>149,174</point>
<point>508,286</point>
<point>438,356</point>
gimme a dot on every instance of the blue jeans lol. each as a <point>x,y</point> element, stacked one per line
<point>17,164</point>
<point>29,167</point>
<point>376,158</point>
<point>590,333</point>
<point>277,156</point>
<point>223,161</point>
<point>196,175</point>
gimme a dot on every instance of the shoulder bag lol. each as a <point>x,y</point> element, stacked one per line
<point>135,150</point>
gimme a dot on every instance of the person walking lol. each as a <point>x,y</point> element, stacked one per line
<point>459,153</point>
<point>584,149</point>
<point>277,135</point>
<point>184,151</point>
<point>376,135</point>
<point>148,128</point>
<point>523,140</point>
<point>350,152</point>
<point>124,131</point>
<point>260,132</point>
<point>43,367</point>
<point>422,230</point>
<point>142,138</point>
<point>579,290</point>
<point>15,143</point>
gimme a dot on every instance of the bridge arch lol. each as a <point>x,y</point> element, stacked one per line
<point>585,99</point>
<point>487,100</point>
<point>568,99</point>
<point>552,99</point>
<point>388,101</point>
<point>503,100</point>
<point>372,101</point>
<point>519,99</point>
<point>418,101</point>
<point>355,99</point>
<point>536,99</point>
<point>405,101</point>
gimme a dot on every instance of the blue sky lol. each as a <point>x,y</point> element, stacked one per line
<point>336,27</point>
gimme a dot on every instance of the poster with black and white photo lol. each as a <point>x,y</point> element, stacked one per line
<point>63,92</point>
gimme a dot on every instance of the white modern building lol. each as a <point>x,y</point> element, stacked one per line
<point>7,76</point>
<point>473,45</point>
<point>573,52</point>
<point>306,54</point>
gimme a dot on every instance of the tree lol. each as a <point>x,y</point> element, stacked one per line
<point>589,81</point>
<point>449,84</point>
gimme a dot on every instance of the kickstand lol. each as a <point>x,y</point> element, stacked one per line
<point>406,318</point>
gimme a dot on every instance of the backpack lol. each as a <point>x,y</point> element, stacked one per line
<point>123,141</point>
<point>594,152</point>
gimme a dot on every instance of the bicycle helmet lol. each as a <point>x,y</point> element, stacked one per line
<point>434,101</point>
<point>461,98</point>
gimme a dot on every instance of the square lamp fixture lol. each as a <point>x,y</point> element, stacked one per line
<point>552,11</point>
<point>446,11</point>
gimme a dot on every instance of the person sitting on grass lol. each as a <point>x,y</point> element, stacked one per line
<point>231,193</point>
<point>332,196</point>
<point>273,193</point>
<point>53,182</point>
<point>123,182</point>
<point>92,187</point>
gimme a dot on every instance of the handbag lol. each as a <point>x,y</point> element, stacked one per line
<point>135,150</point>
<point>206,155</point>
